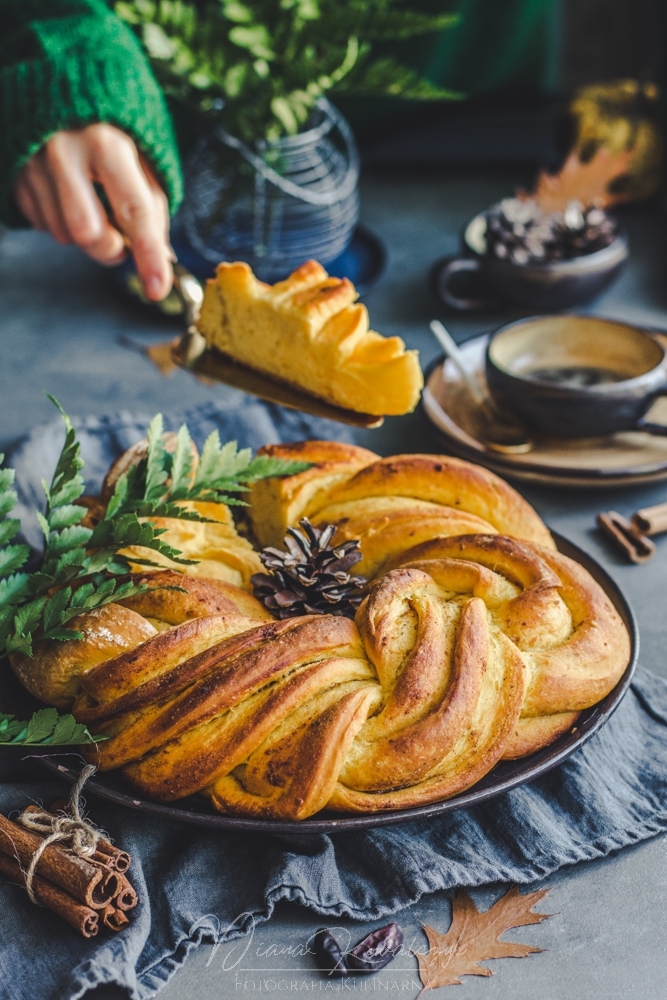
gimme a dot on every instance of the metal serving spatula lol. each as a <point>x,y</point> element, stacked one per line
<point>192,353</point>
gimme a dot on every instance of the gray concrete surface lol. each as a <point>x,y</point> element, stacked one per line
<point>59,326</point>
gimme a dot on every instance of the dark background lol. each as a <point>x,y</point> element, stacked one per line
<point>516,91</point>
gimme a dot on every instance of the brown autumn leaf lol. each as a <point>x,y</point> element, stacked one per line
<point>585,182</point>
<point>473,937</point>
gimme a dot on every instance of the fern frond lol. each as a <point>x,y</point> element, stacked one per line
<point>259,66</point>
<point>80,565</point>
<point>223,470</point>
<point>45,728</point>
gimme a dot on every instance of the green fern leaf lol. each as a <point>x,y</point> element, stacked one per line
<point>157,471</point>
<point>41,725</point>
<point>46,727</point>
<point>66,516</point>
<point>12,557</point>
<point>53,609</point>
<point>14,588</point>
<point>8,501</point>
<point>119,499</point>
<point>181,469</point>
<point>38,605</point>
<point>69,539</point>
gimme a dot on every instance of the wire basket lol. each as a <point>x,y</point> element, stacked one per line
<point>278,205</point>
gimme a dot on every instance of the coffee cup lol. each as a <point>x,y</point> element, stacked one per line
<point>548,285</point>
<point>577,376</point>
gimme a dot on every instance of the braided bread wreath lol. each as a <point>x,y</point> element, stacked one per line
<point>477,641</point>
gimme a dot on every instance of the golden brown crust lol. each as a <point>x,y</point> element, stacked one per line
<point>477,750</point>
<point>534,734</point>
<point>118,677</point>
<point>314,762</point>
<point>54,673</point>
<point>592,660</point>
<point>435,695</point>
<point>308,332</point>
<point>175,598</point>
<point>571,638</point>
<point>349,456</point>
<point>361,490</point>
<point>448,711</point>
<point>470,646</point>
<point>461,653</point>
<point>212,750</point>
<point>194,692</point>
<point>387,526</point>
<point>278,503</point>
<point>453,483</point>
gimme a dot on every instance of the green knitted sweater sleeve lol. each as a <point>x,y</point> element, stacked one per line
<point>68,63</point>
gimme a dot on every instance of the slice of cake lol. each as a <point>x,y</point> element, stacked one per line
<point>310,332</point>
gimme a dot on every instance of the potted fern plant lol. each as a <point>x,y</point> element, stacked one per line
<point>273,178</point>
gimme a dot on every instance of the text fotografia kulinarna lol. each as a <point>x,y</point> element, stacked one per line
<point>355,984</point>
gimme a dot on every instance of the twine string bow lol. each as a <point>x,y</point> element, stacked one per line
<point>70,827</point>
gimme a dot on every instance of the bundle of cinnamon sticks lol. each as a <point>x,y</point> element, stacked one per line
<point>87,892</point>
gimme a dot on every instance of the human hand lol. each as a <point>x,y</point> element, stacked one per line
<point>55,192</point>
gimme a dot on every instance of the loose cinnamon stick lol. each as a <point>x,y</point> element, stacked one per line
<point>89,883</point>
<point>114,918</point>
<point>638,548</point>
<point>82,918</point>
<point>127,898</point>
<point>651,520</point>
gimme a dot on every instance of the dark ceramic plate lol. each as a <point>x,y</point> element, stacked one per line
<point>362,262</point>
<point>505,775</point>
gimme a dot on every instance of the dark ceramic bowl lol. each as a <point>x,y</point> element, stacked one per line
<point>547,287</point>
<point>576,376</point>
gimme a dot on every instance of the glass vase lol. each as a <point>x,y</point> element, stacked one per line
<point>278,204</point>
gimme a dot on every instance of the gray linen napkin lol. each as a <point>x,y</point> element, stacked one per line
<point>194,884</point>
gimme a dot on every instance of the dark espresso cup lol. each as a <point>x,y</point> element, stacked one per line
<point>577,376</point>
<point>552,285</point>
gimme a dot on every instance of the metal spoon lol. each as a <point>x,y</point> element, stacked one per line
<point>501,433</point>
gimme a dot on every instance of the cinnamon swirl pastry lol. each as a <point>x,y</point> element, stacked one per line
<point>475,641</point>
<point>389,504</point>
<point>468,649</point>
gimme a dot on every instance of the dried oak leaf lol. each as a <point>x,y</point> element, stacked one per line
<point>585,182</point>
<point>473,937</point>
